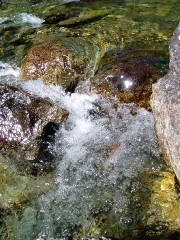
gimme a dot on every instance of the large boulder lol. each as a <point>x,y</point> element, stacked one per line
<point>165,102</point>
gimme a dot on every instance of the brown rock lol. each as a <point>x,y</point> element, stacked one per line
<point>129,79</point>
<point>52,63</point>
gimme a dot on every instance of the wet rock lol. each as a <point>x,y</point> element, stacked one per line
<point>53,64</point>
<point>160,215</point>
<point>26,122</point>
<point>165,102</point>
<point>61,61</point>
<point>19,188</point>
<point>84,18</point>
<point>127,78</point>
<point>55,14</point>
<point>144,28</point>
<point>90,20</point>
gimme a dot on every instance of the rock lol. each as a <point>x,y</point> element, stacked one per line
<point>25,123</point>
<point>19,188</point>
<point>160,211</point>
<point>60,61</point>
<point>175,50</point>
<point>165,102</point>
<point>55,14</point>
<point>53,64</point>
<point>87,26</point>
<point>153,212</point>
<point>127,78</point>
<point>90,19</point>
<point>84,18</point>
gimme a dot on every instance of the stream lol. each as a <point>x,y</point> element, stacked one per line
<point>105,161</point>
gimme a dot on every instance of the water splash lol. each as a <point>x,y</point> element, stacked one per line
<point>2,20</point>
<point>97,159</point>
<point>28,19</point>
<point>6,70</point>
<point>24,19</point>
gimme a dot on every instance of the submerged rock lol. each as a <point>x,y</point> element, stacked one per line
<point>69,50</point>
<point>165,102</point>
<point>25,122</point>
<point>127,78</point>
<point>112,203</point>
<point>159,212</point>
<point>153,212</point>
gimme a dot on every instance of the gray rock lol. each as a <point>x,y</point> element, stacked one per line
<point>175,50</point>
<point>165,103</point>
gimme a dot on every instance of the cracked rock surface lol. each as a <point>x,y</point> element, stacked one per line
<point>165,102</point>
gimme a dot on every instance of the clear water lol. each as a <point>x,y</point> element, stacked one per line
<point>100,150</point>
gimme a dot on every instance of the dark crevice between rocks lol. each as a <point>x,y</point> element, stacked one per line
<point>71,88</point>
<point>150,234</point>
<point>45,159</point>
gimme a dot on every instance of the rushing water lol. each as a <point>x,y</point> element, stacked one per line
<point>97,157</point>
<point>100,151</point>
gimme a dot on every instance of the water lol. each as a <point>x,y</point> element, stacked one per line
<point>101,152</point>
<point>97,160</point>
<point>91,174</point>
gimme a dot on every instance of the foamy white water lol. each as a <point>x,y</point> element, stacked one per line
<point>25,19</point>
<point>100,151</point>
<point>29,19</point>
<point>3,20</point>
<point>7,70</point>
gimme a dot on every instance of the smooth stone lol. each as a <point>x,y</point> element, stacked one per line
<point>127,78</point>
<point>53,64</point>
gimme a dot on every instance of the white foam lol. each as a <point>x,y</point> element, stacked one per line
<point>30,19</point>
<point>100,151</point>
<point>8,70</point>
<point>3,20</point>
<point>90,172</point>
<point>25,19</point>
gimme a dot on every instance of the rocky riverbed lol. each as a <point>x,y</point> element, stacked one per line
<point>79,155</point>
